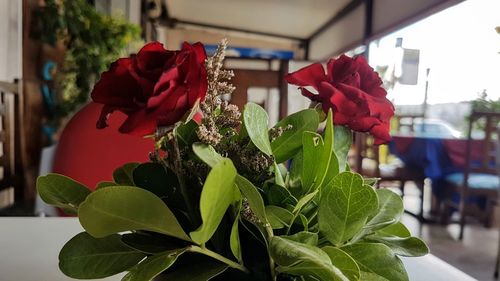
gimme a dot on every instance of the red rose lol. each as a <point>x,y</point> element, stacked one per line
<point>156,87</point>
<point>353,90</point>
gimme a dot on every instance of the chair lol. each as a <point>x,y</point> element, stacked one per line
<point>405,123</point>
<point>11,158</point>
<point>479,178</point>
<point>369,163</point>
<point>497,263</point>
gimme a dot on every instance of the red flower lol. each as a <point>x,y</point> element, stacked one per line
<point>156,87</point>
<point>353,90</point>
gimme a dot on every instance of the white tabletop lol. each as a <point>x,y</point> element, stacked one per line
<point>29,248</point>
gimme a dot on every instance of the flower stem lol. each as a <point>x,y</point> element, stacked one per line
<point>212,254</point>
<point>177,165</point>
<point>270,234</point>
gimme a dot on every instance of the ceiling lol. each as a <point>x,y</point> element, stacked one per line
<point>293,18</point>
<point>323,27</point>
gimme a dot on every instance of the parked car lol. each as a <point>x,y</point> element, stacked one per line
<point>433,128</point>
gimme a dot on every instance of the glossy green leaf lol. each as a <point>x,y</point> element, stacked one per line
<point>304,237</point>
<point>344,262</point>
<point>186,133</point>
<point>300,259</point>
<point>86,257</point>
<point>154,177</point>
<point>342,144</point>
<point>407,247</point>
<point>234,240</point>
<point>278,217</point>
<point>345,206</point>
<point>104,184</point>
<point>378,260</point>
<point>124,174</point>
<point>279,196</point>
<point>151,243</point>
<point>207,154</point>
<point>312,150</point>
<point>121,208</point>
<point>295,173</point>
<point>390,210</point>
<point>256,124</point>
<point>327,167</point>
<point>250,192</point>
<point>397,229</point>
<point>216,196</point>
<point>290,142</point>
<point>278,177</point>
<point>371,181</point>
<point>304,201</point>
<point>61,191</point>
<point>152,266</point>
<point>203,271</point>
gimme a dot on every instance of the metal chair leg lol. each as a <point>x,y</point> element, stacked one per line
<point>462,218</point>
<point>421,213</point>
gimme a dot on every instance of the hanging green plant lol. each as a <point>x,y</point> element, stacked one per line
<point>91,41</point>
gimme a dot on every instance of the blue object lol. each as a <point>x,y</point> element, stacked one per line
<point>252,52</point>
<point>476,180</point>
<point>429,156</point>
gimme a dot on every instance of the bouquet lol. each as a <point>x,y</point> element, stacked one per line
<point>225,197</point>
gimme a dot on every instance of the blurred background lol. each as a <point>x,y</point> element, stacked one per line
<point>439,60</point>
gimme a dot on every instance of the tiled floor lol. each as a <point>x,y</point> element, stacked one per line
<point>475,255</point>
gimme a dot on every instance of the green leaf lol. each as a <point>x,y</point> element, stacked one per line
<point>234,240</point>
<point>122,208</point>
<point>342,144</point>
<point>289,143</point>
<point>86,257</point>
<point>207,154</point>
<point>256,124</point>
<point>407,247</point>
<point>279,195</point>
<point>278,177</point>
<point>250,192</point>
<point>371,181</point>
<point>186,133</point>
<point>390,210</point>
<point>150,243</point>
<point>398,229</point>
<point>304,201</point>
<point>278,217</point>
<point>124,174</point>
<point>343,261</point>
<point>345,206</point>
<point>203,271</point>
<point>61,191</point>
<point>152,266</point>
<point>304,237</point>
<point>378,260</point>
<point>216,196</point>
<point>301,259</point>
<point>327,167</point>
<point>294,181</point>
<point>312,150</point>
<point>104,184</point>
<point>154,177</point>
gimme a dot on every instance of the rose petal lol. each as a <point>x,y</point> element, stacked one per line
<point>340,68</point>
<point>311,75</point>
<point>117,87</point>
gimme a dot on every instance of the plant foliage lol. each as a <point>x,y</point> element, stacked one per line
<point>254,205</point>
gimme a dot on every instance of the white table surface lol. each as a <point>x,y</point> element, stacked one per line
<point>29,248</point>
